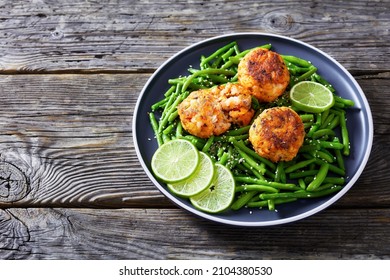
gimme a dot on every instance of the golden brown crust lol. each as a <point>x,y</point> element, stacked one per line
<point>208,112</point>
<point>201,115</point>
<point>264,73</point>
<point>277,134</point>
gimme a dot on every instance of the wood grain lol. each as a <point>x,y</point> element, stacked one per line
<point>133,36</point>
<point>136,234</point>
<point>71,185</point>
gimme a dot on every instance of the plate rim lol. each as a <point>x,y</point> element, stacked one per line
<point>281,221</point>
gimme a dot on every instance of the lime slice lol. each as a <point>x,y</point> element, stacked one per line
<point>198,181</point>
<point>175,160</point>
<point>311,97</point>
<point>219,195</point>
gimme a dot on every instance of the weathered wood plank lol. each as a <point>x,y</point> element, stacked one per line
<point>69,137</point>
<point>133,36</point>
<point>136,234</point>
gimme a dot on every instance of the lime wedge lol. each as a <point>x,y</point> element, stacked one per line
<point>198,181</point>
<point>219,195</point>
<point>175,160</point>
<point>311,97</point>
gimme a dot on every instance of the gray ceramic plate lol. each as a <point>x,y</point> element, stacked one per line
<point>359,122</point>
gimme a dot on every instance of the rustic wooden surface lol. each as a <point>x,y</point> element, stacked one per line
<point>70,74</point>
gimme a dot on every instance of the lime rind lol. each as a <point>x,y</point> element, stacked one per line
<point>219,195</point>
<point>311,97</point>
<point>198,181</point>
<point>175,160</point>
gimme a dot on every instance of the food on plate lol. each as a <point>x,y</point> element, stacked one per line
<point>270,122</point>
<point>277,134</point>
<point>208,112</point>
<point>264,73</point>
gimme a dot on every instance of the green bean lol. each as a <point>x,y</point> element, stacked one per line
<point>217,53</point>
<point>226,138</point>
<point>208,144</point>
<point>327,121</point>
<point>165,118</point>
<point>216,79</point>
<point>319,178</point>
<point>228,64</point>
<point>248,159</point>
<point>346,102</point>
<point>259,188</point>
<point>229,53</point>
<point>170,91</point>
<point>315,127</point>
<point>302,174</point>
<point>171,100</point>
<point>266,46</point>
<point>224,158</point>
<point>338,105</point>
<point>271,204</point>
<point>299,165</point>
<point>335,180</point>
<point>326,156</point>
<point>177,81</point>
<point>336,170</point>
<point>302,183</point>
<point>294,69</point>
<point>280,173</point>
<point>238,131</point>
<point>165,138</point>
<point>236,59</point>
<point>305,75</point>
<point>344,134</point>
<point>168,129</point>
<point>243,147</point>
<point>323,132</point>
<point>297,61</point>
<point>154,124</point>
<point>160,104</point>
<point>324,116</point>
<point>307,117</point>
<point>257,204</point>
<point>253,170</point>
<point>179,130</point>
<point>307,125</point>
<point>324,82</point>
<point>328,179</point>
<point>206,72</point>
<point>324,187</point>
<point>312,147</point>
<point>236,49</point>
<point>242,200</point>
<point>334,123</point>
<point>339,159</point>
<point>173,115</point>
<point>276,185</point>
<point>264,203</point>
<point>300,194</point>
<point>198,142</point>
<point>331,145</point>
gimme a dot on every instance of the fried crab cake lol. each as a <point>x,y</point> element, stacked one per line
<point>201,114</point>
<point>277,134</point>
<point>236,101</point>
<point>208,112</point>
<point>264,73</point>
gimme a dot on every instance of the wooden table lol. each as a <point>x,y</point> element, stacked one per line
<point>71,186</point>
